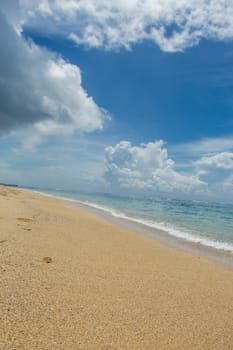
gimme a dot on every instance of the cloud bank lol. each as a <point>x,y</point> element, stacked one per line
<point>171,24</point>
<point>147,166</point>
<point>40,89</point>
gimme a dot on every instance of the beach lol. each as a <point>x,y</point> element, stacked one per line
<point>71,279</point>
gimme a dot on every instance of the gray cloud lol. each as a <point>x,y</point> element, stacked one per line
<point>18,102</point>
<point>40,89</point>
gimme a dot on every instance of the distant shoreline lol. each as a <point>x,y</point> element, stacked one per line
<point>8,185</point>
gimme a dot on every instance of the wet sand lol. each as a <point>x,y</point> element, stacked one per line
<point>219,255</point>
<point>69,279</point>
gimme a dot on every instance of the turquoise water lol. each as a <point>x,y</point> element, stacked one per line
<point>208,223</point>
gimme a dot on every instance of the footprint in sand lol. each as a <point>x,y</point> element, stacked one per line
<point>24,219</point>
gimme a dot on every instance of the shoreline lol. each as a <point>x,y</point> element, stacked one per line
<point>71,279</point>
<point>218,255</point>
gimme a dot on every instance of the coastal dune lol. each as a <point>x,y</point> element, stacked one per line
<point>70,279</point>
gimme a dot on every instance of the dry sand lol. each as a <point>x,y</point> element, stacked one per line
<point>71,280</point>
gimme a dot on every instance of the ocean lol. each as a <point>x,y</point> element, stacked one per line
<point>207,223</point>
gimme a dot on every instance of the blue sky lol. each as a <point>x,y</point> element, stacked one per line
<point>97,96</point>
<point>190,91</point>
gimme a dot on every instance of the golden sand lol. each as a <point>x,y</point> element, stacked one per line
<point>71,280</point>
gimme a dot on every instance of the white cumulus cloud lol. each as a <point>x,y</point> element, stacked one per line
<point>147,166</point>
<point>223,160</point>
<point>212,160</point>
<point>40,89</point>
<point>217,170</point>
<point>172,24</point>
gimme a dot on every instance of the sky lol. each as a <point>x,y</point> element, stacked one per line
<point>130,96</point>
